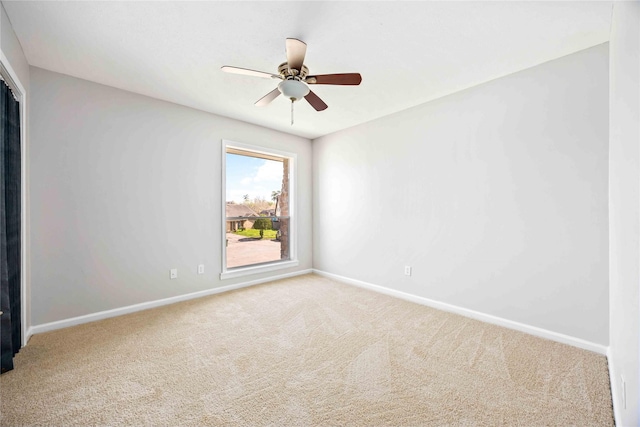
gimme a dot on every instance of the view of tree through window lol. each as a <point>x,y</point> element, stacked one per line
<point>257,208</point>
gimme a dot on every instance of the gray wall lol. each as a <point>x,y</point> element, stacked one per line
<point>125,187</point>
<point>496,196</point>
<point>625,209</point>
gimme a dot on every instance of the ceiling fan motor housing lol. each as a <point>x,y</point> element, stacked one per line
<point>285,71</point>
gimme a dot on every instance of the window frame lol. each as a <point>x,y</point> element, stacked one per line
<point>228,273</point>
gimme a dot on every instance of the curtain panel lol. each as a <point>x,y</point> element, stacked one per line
<point>10,164</point>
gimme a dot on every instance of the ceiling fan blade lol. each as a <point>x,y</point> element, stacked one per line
<point>247,72</point>
<point>296,50</point>
<point>266,100</point>
<point>315,101</point>
<point>353,79</point>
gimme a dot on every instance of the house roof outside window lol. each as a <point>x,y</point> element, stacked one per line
<point>238,210</point>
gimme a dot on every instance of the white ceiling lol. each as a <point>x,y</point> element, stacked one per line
<point>407,52</point>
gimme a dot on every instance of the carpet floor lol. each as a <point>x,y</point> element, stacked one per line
<point>302,351</point>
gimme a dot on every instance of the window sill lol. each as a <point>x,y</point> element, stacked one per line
<point>255,269</point>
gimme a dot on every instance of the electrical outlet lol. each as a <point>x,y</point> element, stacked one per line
<point>623,385</point>
<point>200,268</point>
<point>407,270</point>
<point>174,273</point>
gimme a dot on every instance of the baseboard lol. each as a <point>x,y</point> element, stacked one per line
<point>46,327</point>
<point>28,336</point>
<point>614,380</point>
<point>532,330</point>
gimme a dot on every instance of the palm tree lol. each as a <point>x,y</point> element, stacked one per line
<point>246,198</point>
<point>275,196</point>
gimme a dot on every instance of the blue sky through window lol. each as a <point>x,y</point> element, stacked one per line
<point>253,176</point>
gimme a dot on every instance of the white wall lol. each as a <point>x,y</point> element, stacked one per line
<point>17,62</point>
<point>624,208</point>
<point>496,196</point>
<point>125,187</point>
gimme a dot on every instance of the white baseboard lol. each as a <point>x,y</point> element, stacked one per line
<point>46,327</point>
<point>28,334</point>
<point>532,330</point>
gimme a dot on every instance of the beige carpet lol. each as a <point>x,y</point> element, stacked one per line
<point>303,351</point>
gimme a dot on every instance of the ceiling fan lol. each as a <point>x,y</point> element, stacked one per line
<point>295,78</point>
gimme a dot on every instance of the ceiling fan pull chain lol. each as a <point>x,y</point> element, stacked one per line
<point>292,112</point>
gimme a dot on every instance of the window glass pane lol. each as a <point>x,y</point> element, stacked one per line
<point>257,208</point>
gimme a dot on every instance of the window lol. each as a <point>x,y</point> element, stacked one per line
<point>258,211</point>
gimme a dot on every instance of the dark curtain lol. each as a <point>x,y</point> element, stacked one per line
<point>10,320</point>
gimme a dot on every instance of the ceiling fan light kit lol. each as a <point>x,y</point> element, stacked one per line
<point>293,89</point>
<point>295,78</point>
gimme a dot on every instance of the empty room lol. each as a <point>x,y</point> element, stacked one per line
<point>320,213</point>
